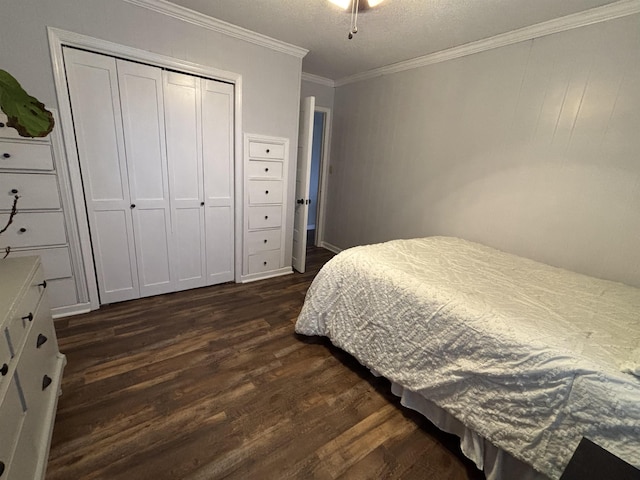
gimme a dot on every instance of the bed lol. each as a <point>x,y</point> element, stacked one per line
<point>518,358</point>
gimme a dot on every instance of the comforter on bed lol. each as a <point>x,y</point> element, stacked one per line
<point>529,356</point>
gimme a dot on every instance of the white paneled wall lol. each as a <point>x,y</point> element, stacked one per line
<point>533,148</point>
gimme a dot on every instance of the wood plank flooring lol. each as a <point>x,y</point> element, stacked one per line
<point>213,383</point>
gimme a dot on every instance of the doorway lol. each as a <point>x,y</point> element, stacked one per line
<point>319,160</point>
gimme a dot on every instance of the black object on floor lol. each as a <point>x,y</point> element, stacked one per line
<point>592,462</point>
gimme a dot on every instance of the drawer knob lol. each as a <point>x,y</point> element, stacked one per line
<point>265,240</point>
<point>1,125</point>
<point>266,169</point>
<point>14,190</point>
<point>28,317</point>
<point>268,150</point>
<point>22,230</point>
<point>266,217</point>
<point>266,192</point>
<point>43,284</point>
<point>41,340</point>
<point>265,263</point>
<point>5,369</point>
<point>1,463</point>
<point>46,381</point>
<point>6,155</point>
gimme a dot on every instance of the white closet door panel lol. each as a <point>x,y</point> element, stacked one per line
<point>115,254</point>
<point>190,247</point>
<point>217,127</point>
<point>144,135</point>
<point>95,99</point>
<point>183,122</point>
<point>219,222</point>
<point>93,88</point>
<point>143,121</point>
<point>153,251</point>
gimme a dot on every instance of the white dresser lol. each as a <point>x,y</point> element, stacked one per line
<point>28,170</point>
<point>265,207</point>
<point>30,370</point>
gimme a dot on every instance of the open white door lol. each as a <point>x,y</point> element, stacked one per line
<point>305,140</point>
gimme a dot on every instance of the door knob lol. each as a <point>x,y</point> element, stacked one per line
<point>133,205</point>
<point>300,201</point>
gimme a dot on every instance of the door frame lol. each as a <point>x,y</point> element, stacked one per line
<point>70,162</point>
<point>324,175</point>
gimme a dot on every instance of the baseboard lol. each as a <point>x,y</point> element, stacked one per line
<point>253,277</point>
<point>68,310</point>
<point>330,247</point>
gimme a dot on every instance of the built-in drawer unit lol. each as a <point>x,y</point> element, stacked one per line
<point>25,156</point>
<point>30,367</point>
<point>264,261</point>
<point>12,133</point>
<point>35,191</point>
<point>266,150</point>
<point>265,217</point>
<point>265,191</point>
<point>261,240</point>
<point>264,169</point>
<point>31,229</point>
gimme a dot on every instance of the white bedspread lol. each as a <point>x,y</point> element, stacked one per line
<point>529,356</point>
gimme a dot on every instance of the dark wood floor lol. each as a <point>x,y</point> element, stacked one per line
<point>213,383</point>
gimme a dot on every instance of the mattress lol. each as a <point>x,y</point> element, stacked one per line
<point>529,356</point>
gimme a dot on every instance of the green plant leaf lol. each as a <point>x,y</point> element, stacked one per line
<point>25,113</point>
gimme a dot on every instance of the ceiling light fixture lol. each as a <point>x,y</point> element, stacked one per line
<point>355,6</point>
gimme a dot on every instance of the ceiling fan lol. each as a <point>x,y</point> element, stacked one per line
<point>355,6</point>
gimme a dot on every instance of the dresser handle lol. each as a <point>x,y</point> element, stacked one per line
<point>1,463</point>
<point>41,340</point>
<point>266,192</point>
<point>14,191</point>
<point>5,369</point>
<point>22,230</point>
<point>46,381</point>
<point>43,284</point>
<point>28,317</point>
<point>266,169</point>
<point>268,150</point>
<point>265,263</point>
<point>265,240</point>
<point>1,125</point>
<point>6,155</point>
<point>266,217</point>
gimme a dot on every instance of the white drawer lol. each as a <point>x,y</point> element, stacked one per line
<point>11,421</point>
<point>264,169</point>
<point>264,217</point>
<point>35,191</point>
<point>32,229</point>
<point>25,156</point>
<point>266,150</point>
<point>263,240</point>
<point>265,191</point>
<point>12,133</point>
<point>264,261</point>
<point>56,261</point>
<point>23,316</point>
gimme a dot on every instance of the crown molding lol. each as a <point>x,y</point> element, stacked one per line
<point>611,11</point>
<point>310,77</point>
<point>201,20</point>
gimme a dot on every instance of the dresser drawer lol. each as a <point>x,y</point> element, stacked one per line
<point>33,229</point>
<point>265,217</point>
<point>24,315</point>
<point>35,191</point>
<point>56,262</point>
<point>25,156</point>
<point>266,150</point>
<point>264,169</point>
<point>12,133</point>
<point>11,422</point>
<point>262,240</point>
<point>264,261</point>
<point>265,191</point>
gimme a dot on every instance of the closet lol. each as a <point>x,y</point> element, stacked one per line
<point>156,159</point>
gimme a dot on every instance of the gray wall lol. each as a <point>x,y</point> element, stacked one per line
<point>532,148</point>
<point>271,80</point>
<point>324,95</point>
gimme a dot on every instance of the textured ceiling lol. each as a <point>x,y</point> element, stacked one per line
<point>395,31</point>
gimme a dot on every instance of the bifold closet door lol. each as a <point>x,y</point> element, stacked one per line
<point>183,96</point>
<point>118,115</point>
<point>95,100</point>
<point>145,147</point>
<point>218,156</point>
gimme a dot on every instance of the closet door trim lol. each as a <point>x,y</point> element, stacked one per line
<point>59,38</point>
